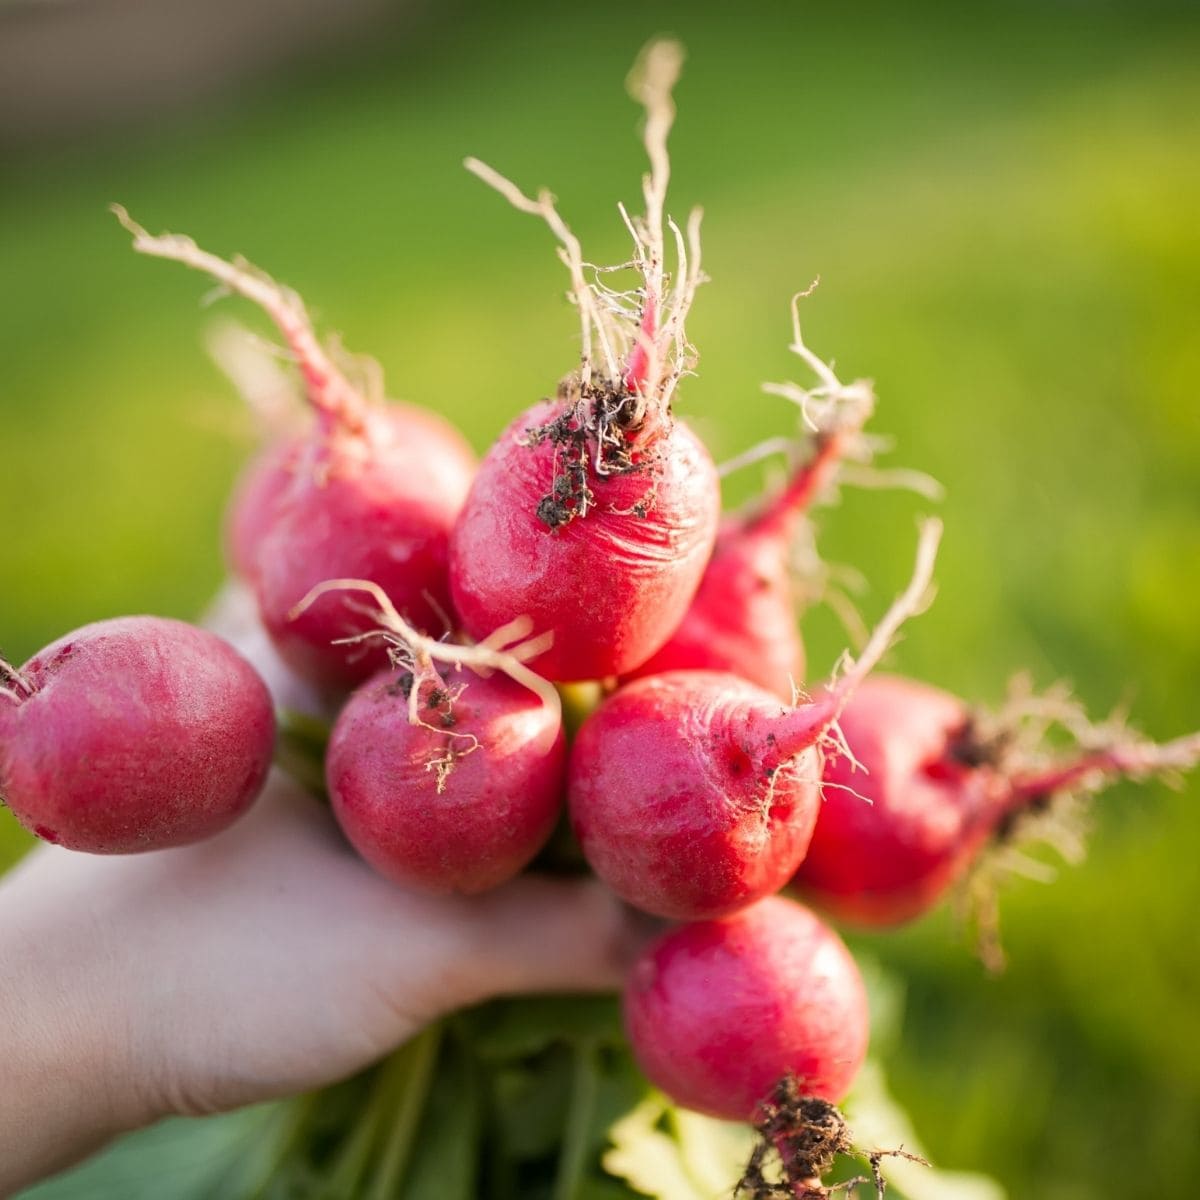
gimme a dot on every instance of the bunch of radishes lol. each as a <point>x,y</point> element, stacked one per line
<point>437,603</point>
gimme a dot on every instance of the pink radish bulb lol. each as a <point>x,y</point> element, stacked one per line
<point>594,513</point>
<point>254,505</point>
<point>133,734</point>
<point>719,1012</point>
<point>928,795</point>
<point>695,793</point>
<point>687,795</point>
<point>895,835</point>
<point>457,803</point>
<point>371,492</point>
<point>609,585</point>
<point>744,615</point>
<point>446,772</point>
<point>380,510</point>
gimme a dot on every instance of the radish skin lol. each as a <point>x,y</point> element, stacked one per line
<point>134,734</point>
<point>611,586</point>
<point>719,1012</point>
<point>919,798</point>
<point>458,803</point>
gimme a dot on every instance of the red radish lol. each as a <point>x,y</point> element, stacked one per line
<point>719,1012</point>
<point>445,784</point>
<point>254,506</point>
<point>923,790</point>
<point>371,492</point>
<point>743,618</point>
<point>133,734</point>
<point>595,512</point>
<point>610,585</point>
<point>695,793</point>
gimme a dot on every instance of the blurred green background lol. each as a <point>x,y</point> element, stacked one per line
<point>1002,201</point>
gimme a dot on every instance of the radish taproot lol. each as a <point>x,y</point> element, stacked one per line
<point>743,618</point>
<point>595,512</point>
<point>371,492</point>
<point>695,793</point>
<point>133,734</point>
<point>926,784</point>
<point>719,1012</point>
<point>444,779</point>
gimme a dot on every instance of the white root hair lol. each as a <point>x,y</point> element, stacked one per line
<point>914,600</point>
<point>613,321</point>
<point>328,388</point>
<point>252,364</point>
<point>13,684</point>
<point>830,405</point>
<point>507,649</point>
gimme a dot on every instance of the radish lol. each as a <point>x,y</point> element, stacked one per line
<point>719,1012</point>
<point>133,734</point>
<point>255,503</point>
<point>447,785</point>
<point>743,618</point>
<point>595,512</point>
<point>371,493</point>
<point>695,793</point>
<point>925,786</point>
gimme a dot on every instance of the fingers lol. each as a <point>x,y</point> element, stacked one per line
<point>552,935</point>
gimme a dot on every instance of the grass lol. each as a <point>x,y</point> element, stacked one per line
<point>1001,203</point>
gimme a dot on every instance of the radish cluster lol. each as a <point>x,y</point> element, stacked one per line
<point>435,603</point>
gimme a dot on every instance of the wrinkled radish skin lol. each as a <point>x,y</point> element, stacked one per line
<point>679,797</point>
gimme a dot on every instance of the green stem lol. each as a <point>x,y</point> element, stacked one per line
<point>572,1159</point>
<point>421,1057</point>
<point>352,1161</point>
<point>300,749</point>
<point>293,1130</point>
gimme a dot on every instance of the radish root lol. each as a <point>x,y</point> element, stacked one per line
<point>1049,793</point>
<point>643,328</point>
<point>251,364</point>
<point>507,650</point>
<point>339,403</point>
<point>815,721</point>
<point>913,601</point>
<point>13,684</point>
<point>830,405</point>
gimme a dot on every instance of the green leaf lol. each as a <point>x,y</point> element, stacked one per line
<point>193,1155</point>
<point>714,1152</point>
<point>530,1104</point>
<point>445,1163</point>
<point>512,1030</point>
<point>647,1158</point>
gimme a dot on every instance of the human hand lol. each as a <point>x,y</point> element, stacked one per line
<point>266,961</point>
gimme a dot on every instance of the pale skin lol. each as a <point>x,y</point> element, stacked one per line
<point>264,962</point>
